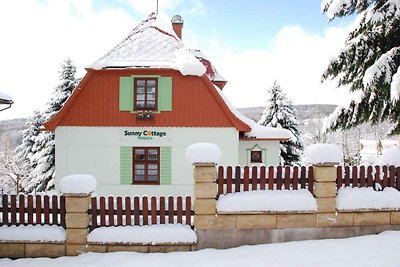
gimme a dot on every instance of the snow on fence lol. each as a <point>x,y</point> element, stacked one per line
<point>32,210</point>
<point>263,178</point>
<point>368,176</point>
<point>116,211</point>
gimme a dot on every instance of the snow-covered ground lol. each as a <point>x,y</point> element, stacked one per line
<point>373,250</point>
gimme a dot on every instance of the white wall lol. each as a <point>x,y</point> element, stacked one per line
<point>96,151</point>
<point>271,157</point>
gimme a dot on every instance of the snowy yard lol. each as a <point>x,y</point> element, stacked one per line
<point>372,250</point>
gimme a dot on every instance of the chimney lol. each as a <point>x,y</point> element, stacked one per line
<point>177,25</point>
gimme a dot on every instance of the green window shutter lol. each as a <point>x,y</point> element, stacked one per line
<point>125,93</point>
<point>165,165</point>
<point>126,164</point>
<point>165,93</point>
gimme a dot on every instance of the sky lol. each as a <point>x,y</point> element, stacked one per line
<point>252,43</point>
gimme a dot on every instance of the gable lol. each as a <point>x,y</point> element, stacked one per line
<point>95,102</point>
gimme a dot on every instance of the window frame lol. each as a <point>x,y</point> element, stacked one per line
<point>259,158</point>
<point>135,93</point>
<point>146,162</point>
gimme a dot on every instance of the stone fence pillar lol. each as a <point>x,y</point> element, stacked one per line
<point>77,221</point>
<point>77,190</point>
<point>205,192</point>
<point>325,192</point>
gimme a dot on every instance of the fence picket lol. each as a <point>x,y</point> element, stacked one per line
<point>295,177</point>
<point>170,209</point>
<point>188,210</point>
<point>54,210</point>
<point>245,180</point>
<point>229,179</point>
<point>220,180</point>
<point>153,210</point>
<point>385,176</point>
<point>179,209</point>
<point>4,205</point>
<point>339,177</point>
<point>93,212</point>
<point>128,211</point>
<point>62,211</point>
<point>303,179</point>
<point>271,178</point>
<point>311,179</point>
<point>362,176</point>
<point>392,176</point>
<point>46,207</point>
<point>102,211</point>
<point>377,175</point>
<point>162,210</point>
<point>38,209</point>
<point>254,178</point>
<point>13,209</point>
<point>145,208</point>
<point>110,210</point>
<point>370,181</point>
<point>279,180</point>
<point>237,178</point>
<point>30,209</point>
<point>346,175</point>
<point>287,177</point>
<point>136,211</point>
<point>21,209</point>
<point>398,178</point>
<point>262,178</point>
<point>119,211</point>
<point>354,175</point>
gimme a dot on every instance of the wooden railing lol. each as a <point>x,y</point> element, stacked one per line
<point>32,210</point>
<point>116,211</point>
<point>368,176</point>
<point>241,179</point>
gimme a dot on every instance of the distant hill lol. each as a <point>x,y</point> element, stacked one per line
<point>303,112</point>
<point>10,133</point>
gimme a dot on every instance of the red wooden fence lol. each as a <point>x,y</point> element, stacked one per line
<point>240,179</point>
<point>33,210</point>
<point>362,176</point>
<point>140,211</point>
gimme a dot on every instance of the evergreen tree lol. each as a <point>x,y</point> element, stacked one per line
<point>369,62</point>
<point>25,151</point>
<point>279,113</point>
<point>43,159</point>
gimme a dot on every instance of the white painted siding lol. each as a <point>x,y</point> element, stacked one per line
<point>270,157</point>
<point>96,151</point>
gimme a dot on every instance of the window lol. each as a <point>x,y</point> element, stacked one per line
<point>256,156</point>
<point>146,93</point>
<point>146,165</point>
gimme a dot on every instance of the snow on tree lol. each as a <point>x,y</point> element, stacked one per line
<point>369,62</point>
<point>43,160</point>
<point>12,174</point>
<point>25,151</point>
<point>279,113</point>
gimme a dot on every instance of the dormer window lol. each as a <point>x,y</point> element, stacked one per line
<point>145,94</point>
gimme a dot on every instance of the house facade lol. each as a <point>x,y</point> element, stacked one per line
<point>139,106</point>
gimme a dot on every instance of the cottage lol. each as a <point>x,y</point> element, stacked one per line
<point>139,106</point>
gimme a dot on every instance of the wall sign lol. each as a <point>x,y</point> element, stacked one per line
<point>146,134</point>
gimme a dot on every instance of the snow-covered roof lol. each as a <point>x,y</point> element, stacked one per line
<point>211,71</point>
<point>5,99</point>
<point>257,131</point>
<point>152,44</point>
